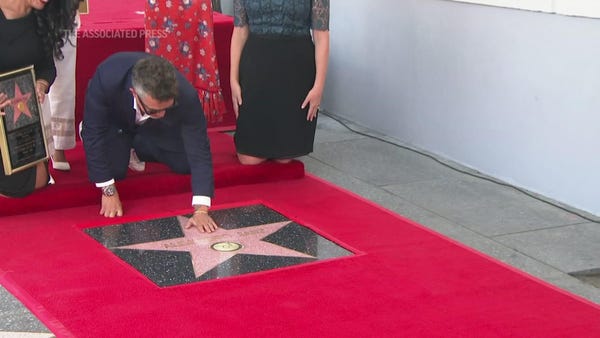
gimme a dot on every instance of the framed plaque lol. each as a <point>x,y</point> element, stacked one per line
<point>22,134</point>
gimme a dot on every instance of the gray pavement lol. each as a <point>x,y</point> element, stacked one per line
<point>552,243</point>
<point>546,239</point>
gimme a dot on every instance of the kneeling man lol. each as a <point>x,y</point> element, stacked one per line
<point>138,107</point>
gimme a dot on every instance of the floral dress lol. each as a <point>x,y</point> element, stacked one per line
<point>181,31</point>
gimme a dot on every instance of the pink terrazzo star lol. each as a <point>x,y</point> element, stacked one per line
<point>19,104</point>
<point>205,258</point>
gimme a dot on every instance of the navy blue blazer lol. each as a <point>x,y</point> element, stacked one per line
<point>108,113</point>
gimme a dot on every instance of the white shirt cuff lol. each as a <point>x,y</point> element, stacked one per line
<point>105,184</point>
<point>201,200</point>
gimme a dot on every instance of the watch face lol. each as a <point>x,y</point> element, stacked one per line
<point>108,190</point>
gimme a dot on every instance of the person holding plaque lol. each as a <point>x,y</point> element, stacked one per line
<point>32,32</point>
<point>138,107</point>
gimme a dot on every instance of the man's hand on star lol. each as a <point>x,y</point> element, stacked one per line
<point>201,220</point>
<point>111,206</point>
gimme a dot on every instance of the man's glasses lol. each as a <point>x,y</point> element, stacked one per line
<point>152,111</point>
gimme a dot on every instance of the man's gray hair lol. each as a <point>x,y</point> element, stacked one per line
<point>155,77</point>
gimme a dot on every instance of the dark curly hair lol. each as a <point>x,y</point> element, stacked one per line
<point>55,23</point>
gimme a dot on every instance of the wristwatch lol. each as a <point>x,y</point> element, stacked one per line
<point>109,190</point>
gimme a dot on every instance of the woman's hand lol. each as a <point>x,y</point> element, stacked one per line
<point>236,97</point>
<point>4,102</point>
<point>313,100</point>
<point>41,87</point>
<point>238,41</point>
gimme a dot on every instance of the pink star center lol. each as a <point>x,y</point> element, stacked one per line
<point>19,104</point>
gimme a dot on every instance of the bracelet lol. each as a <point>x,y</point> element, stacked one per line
<point>200,211</point>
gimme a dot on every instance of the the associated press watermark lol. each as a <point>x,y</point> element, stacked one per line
<point>121,33</point>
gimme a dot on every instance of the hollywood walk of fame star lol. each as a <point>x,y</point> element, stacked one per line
<point>205,257</point>
<point>19,104</point>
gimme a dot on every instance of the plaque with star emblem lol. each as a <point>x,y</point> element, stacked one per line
<point>250,239</point>
<point>22,135</point>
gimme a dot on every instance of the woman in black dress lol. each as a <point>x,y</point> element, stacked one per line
<point>277,76</point>
<point>32,32</point>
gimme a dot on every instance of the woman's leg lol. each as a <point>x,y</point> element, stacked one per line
<point>283,160</point>
<point>250,160</point>
<point>41,175</point>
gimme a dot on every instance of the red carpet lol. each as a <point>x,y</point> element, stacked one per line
<point>409,281</point>
<point>74,188</point>
<point>113,26</point>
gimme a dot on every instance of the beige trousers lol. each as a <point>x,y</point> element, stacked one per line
<point>61,98</point>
